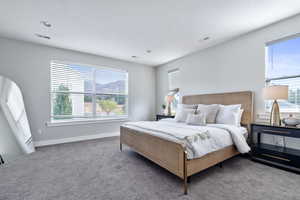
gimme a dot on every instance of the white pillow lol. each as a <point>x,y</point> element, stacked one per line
<point>240,117</point>
<point>182,113</point>
<point>196,119</point>
<point>229,114</point>
<point>189,106</point>
<point>210,111</point>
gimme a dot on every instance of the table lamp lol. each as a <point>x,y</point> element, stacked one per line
<point>169,99</point>
<point>275,92</point>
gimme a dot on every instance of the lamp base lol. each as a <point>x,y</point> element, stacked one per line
<point>169,110</point>
<point>275,115</point>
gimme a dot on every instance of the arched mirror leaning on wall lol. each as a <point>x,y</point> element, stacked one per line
<point>15,134</point>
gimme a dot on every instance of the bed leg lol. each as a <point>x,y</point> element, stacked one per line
<point>185,185</point>
<point>121,147</point>
<point>221,164</point>
<point>189,179</point>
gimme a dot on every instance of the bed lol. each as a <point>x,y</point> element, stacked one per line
<point>172,155</point>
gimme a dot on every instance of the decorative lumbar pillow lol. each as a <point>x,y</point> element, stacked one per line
<point>196,119</point>
<point>182,113</point>
<point>210,111</point>
<point>229,114</point>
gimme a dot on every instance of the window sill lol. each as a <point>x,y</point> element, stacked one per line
<point>84,121</point>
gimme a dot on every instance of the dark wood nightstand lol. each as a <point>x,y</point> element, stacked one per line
<point>159,117</point>
<point>278,156</point>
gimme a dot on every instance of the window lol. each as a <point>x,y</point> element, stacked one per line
<point>283,68</point>
<point>82,92</point>
<point>173,79</point>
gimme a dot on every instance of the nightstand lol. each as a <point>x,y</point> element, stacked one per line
<point>159,117</point>
<point>273,155</point>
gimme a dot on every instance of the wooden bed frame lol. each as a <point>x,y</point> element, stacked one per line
<point>172,156</point>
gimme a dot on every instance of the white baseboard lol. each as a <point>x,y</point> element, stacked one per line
<point>74,139</point>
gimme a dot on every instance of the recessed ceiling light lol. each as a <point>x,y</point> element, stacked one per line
<point>148,51</point>
<point>46,24</point>
<point>43,36</point>
<point>133,56</point>
<point>206,38</point>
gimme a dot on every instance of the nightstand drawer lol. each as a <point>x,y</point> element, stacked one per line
<point>276,131</point>
<point>281,131</point>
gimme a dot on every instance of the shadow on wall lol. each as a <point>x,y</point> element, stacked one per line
<point>15,134</point>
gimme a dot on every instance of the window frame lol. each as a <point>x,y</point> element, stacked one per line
<point>268,80</point>
<point>94,118</point>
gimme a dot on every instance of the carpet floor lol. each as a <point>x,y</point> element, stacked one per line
<point>98,170</point>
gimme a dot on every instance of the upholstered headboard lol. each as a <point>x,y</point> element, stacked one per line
<point>245,98</point>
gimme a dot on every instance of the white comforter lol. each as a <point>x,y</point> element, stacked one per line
<point>198,140</point>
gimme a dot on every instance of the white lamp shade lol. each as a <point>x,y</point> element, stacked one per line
<point>276,92</point>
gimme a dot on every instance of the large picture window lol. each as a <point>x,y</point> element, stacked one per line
<point>283,68</point>
<point>83,92</point>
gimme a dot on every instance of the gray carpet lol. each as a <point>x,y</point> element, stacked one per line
<point>97,170</point>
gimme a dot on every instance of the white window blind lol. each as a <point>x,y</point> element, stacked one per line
<point>283,68</point>
<point>79,91</point>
